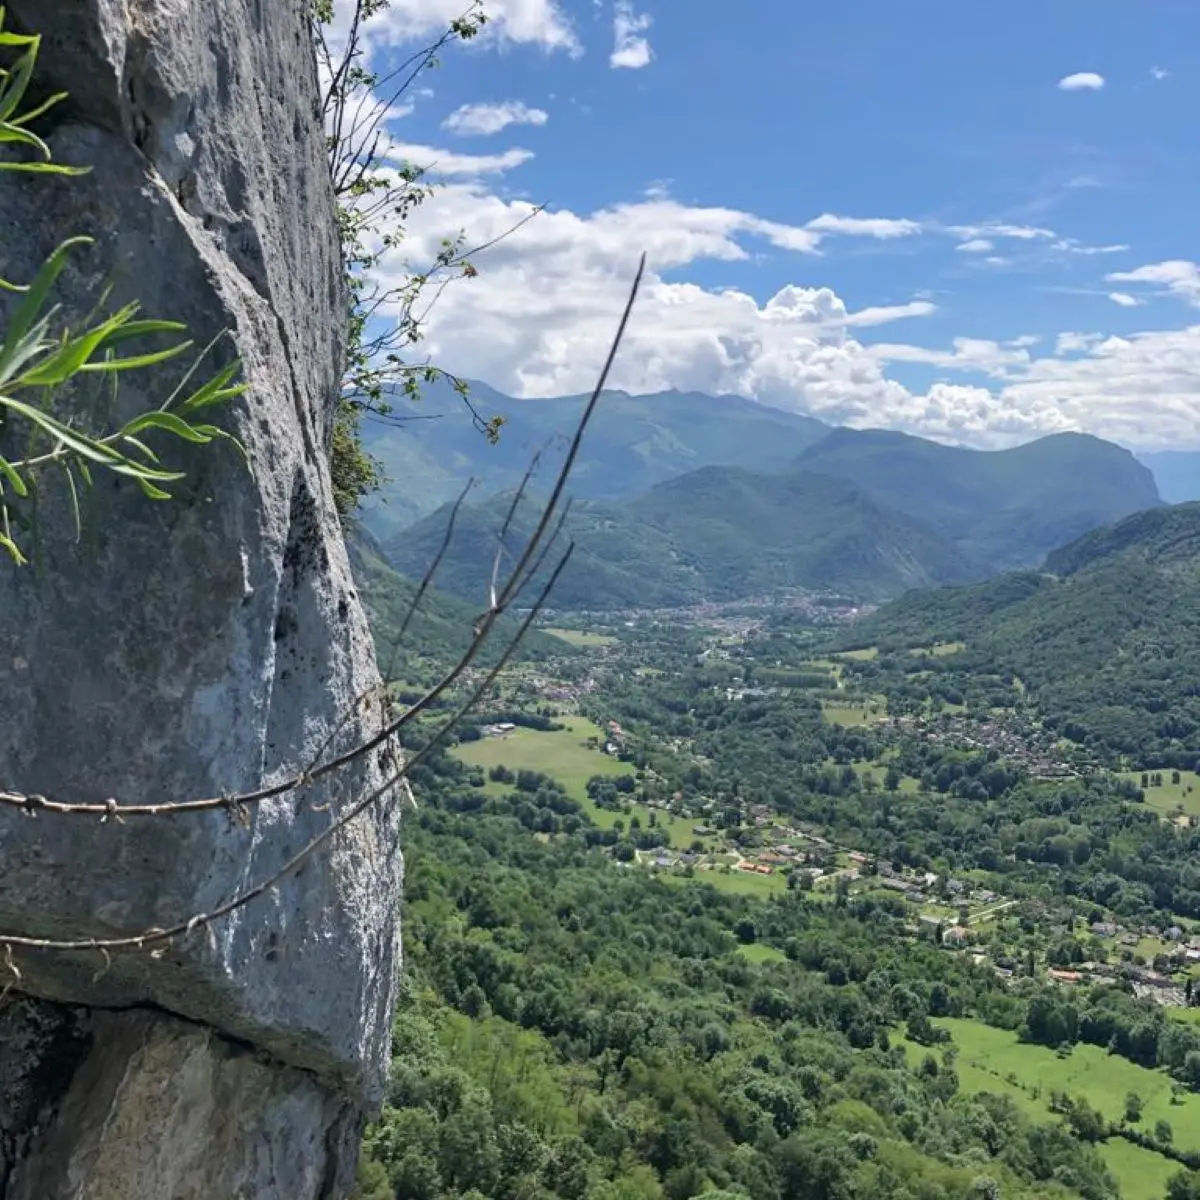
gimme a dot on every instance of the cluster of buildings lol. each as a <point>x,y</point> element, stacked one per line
<point>1015,738</point>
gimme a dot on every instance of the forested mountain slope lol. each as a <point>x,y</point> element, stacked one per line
<point>718,533</point>
<point>633,443</point>
<point>1005,508</point>
<point>1105,639</point>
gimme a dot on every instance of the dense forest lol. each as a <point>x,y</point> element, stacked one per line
<point>571,1030</point>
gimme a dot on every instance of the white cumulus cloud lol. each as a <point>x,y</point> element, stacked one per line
<point>485,119</point>
<point>539,23</point>
<point>975,246</point>
<point>1178,276</point>
<point>538,318</point>
<point>1125,300</point>
<point>1081,81</point>
<point>447,163</point>
<point>631,48</point>
<point>882,228</point>
<point>997,231</point>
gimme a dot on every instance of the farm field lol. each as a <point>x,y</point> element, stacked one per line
<point>878,770</point>
<point>738,883</point>
<point>992,1060</point>
<point>1141,1174</point>
<point>582,638</point>
<point>866,654</point>
<point>938,650</point>
<point>1171,796</point>
<point>1089,1071</point>
<point>854,712</point>
<point>565,755</point>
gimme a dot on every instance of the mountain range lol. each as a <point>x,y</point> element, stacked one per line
<point>633,443</point>
<point>1001,508</point>
<point>867,513</point>
<point>720,533</point>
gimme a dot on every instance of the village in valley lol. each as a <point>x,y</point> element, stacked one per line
<point>743,843</point>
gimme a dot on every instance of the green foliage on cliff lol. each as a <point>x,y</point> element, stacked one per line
<point>42,357</point>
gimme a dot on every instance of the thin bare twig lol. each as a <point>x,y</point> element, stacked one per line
<point>153,937</point>
<point>534,552</point>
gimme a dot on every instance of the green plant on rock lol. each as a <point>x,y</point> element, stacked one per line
<point>41,355</point>
<point>375,198</point>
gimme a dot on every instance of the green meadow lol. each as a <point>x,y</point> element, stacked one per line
<point>993,1060</point>
<point>1171,797</point>
<point>566,756</point>
<point>582,638</point>
<point>854,712</point>
<point>756,952</point>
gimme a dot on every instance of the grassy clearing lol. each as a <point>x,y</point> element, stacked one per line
<point>756,952</point>
<point>739,883</point>
<point>566,756</point>
<point>878,772</point>
<point>854,712</point>
<point>993,1060</point>
<point>866,654</point>
<point>1171,797</point>
<point>1141,1174</point>
<point>563,754</point>
<point>938,650</point>
<point>581,638</point>
<point>1150,947</point>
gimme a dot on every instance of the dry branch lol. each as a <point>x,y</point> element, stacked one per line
<point>536,549</point>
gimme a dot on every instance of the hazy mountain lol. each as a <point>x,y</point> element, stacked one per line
<point>1005,508</point>
<point>438,631</point>
<point>719,533</point>
<point>633,443</point>
<point>1167,539</point>
<point>1177,473</point>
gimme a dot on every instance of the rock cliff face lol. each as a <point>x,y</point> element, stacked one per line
<point>193,648</point>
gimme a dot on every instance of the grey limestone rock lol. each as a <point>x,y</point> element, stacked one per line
<point>209,644</point>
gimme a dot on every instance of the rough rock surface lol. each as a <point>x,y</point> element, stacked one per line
<point>139,1104</point>
<point>198,647</point>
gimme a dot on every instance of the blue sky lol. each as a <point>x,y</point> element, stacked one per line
<point>883,213</point>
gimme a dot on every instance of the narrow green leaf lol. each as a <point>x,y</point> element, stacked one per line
<point>75,510</point>
<point>13,476</point>
<point>155,493</point>
<point>43,168</point>
<point>168,421</point>
<point>134,361</point>
<point>126,466</point>
<point>141,446</point>
<point>217,389</point>
<point>143,327</point>
<point>35,298</point>
<point>18,81</point>
<point>13,549</point>
<point>72,354</point>
<point>13,133</point>
<point>75,442</point>
<point>32,114</point>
